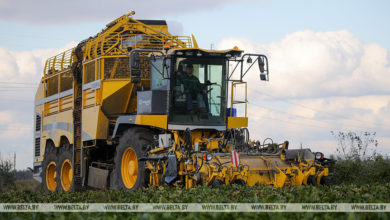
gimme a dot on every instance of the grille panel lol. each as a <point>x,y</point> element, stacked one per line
<point>37,149</point>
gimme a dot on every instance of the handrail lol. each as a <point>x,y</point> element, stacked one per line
<point>116,39</point>
<point>233,102</point>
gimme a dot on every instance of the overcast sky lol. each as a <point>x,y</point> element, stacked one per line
<point>329,60</point>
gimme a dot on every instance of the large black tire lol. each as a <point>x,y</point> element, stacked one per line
<point>217,183</point>
<point>325,181</point>
<point>135,139</point>
<point>311,180</point>
<point>65,182</point>
<point>50,157</point>
<point>239,182</point>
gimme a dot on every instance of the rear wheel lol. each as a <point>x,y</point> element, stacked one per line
<point>128,172</point>
<point>65,169</point>
<point>49,169</point>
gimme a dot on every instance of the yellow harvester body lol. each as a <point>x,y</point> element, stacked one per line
<point>119,111</point>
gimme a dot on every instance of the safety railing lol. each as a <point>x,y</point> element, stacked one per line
<point>58,63</point>
<point>132,34</point>
<point>234,101</point>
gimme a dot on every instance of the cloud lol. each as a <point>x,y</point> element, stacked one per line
<point>309,121</point>
<point>25,66</point>
<point>46,11</point>
<point>20,73</point>
<point>175,27</point>
<point>319,82</point>
<point>311,64</point>
<point>5,117</point>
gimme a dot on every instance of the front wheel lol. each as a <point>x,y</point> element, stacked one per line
<point>128,172</point>
<point>311,180</point>
<point>325,180</point>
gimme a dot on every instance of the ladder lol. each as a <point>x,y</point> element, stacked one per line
<point>77,119</point>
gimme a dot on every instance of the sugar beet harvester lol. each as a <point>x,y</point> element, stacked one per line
<point>135,106</point>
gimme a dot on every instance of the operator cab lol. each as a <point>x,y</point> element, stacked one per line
<point>190,85</point>
<point>199,88</point>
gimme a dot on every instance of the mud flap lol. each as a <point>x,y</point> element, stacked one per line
<point>171,172</point>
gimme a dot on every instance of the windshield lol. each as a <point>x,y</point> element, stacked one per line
<point>198,91</point>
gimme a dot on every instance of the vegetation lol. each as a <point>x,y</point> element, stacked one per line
<point>360,176</point>
<point>233,193</point>
<point>204,194</point>
<point>353,146</point>
<point>195,216</point>
<point>7,174</point>
<point>358,161</point>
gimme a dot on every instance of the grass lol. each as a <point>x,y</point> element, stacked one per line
<point>378,193</point>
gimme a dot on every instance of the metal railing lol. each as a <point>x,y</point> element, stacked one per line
<point>58,63</point>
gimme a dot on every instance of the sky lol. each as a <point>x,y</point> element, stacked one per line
<point>328,60</point>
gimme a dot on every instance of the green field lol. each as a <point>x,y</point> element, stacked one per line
<point>233,193</point>
<point>230,193</point>
<point>355,181</point>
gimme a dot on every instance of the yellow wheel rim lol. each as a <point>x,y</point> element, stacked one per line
<point>66,175</point>
<point>50,176</point>
<point>129,168</point>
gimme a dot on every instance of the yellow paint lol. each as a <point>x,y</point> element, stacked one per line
<point>210,51</point>
<point>116,97</point>
<point>102,127</point>
<point>95,123</point>
<point>194,42</point>
<point>159,121</point>
<point>213,144</point>
<point>129,168</point>
<point>307,173</point>
<point>50,176</point>
<point>55,135</point>
<point>237,122</point>
<point>112,86</point>
<point>323,173</point>
<point>157,150</point>
<point>66,175</point>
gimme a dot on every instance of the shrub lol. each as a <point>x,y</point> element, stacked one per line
<point>358,162</point>
<point>7,174</point>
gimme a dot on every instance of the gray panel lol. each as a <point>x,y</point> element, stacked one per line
<point>193,127</point>
<point>54,97</point>
<point>92,85</point>
<point>153,102</point>
<point>86,136</point>
<point>97,178</point>
<point>123,119</point>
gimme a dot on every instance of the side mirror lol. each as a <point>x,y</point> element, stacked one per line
<point>260,61</point>
<point>135,60</point>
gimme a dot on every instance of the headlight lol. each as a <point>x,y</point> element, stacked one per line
<point>319,156</point>
<point>207,157</point>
